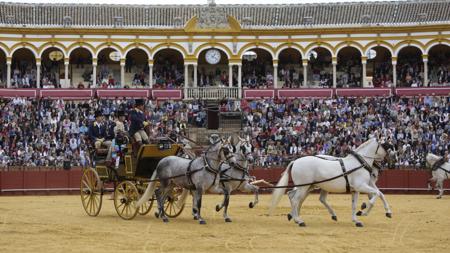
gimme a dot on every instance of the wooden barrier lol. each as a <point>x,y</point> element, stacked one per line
<point>68,181</point>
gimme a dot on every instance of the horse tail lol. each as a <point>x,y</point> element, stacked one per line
<point>149,191</point>
<point>279,192</point>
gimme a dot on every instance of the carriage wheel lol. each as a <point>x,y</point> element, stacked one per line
<point>175,201</point>
<point>91,192</point>
<point>146,207</point>
<point>125,197</point>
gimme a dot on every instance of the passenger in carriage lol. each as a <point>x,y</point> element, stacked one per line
<point>120,140</point>
<point>98,133</point>
<point>138,123</point>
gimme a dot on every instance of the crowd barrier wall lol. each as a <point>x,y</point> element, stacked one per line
<point>39,181</point>
<point>177,94</point>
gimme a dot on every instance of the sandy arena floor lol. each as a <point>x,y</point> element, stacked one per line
<point>59,224</point>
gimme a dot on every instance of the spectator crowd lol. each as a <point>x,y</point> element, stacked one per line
<point>50,132</point>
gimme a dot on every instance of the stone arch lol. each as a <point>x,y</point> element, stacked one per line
<point>108,45</point>
<point>57,45</point>
<point>76,45</point>
<point>251,46</point>
<point>284,46</point>
<point>141,46</point>
<point>383,44</point>
<point>174,46</point>
<point>352,44</point>
<point>29,46</point>
<point>205,46</point>
<point>413,43</point>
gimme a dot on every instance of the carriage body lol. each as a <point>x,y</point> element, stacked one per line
<point>127,179</point>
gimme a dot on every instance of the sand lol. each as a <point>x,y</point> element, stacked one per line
<point>37,224</point>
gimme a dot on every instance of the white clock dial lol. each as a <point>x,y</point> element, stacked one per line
<point>212,56</point>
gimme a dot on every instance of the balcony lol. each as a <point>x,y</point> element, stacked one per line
<point>211,93</point>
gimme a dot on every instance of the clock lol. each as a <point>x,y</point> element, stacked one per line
<point>212,56</point>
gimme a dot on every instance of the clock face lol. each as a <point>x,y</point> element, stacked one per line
<point>212,56</point>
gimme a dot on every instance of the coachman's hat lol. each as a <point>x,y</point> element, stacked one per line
<point>121,113</point>
<point>139,102</point>
<point>98,113</point>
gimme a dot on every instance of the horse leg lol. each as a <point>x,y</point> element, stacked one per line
<point>431,180</point>
<point>373,193</point>
<point>354,203</point>
<point>251,188</point>
<point>161,196</point>
<point>225,203</point>
<point>194,205</point>
<point>440,186</point>
<point>386,205</point>
<point>296,198</point>
<point>198,193</point>
<point>323,200</point>
<point>255,190</point>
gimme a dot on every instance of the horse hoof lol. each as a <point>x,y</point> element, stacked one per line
<point>227,220</point>
<point>250,205</point>
<point>157,215</point>
<point>165,220</point>
<point>359,213</point>
<point>217,208</point>
<point>302,224</point>
<point>289,216</point>
<point>195,218</point>
<point>363,206</point>
<point>334,217</point>
<point>359,224</point>
<point>202,222</point>
<point>389,215</point>
<point>438,197</point>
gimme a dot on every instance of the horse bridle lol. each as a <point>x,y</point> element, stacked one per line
<point>225,178</point>
<point>210,168</point>
<point>376,152</point>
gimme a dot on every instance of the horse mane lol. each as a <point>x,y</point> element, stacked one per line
<point>364,144</point>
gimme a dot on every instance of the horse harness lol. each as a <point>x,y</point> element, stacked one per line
<point>227,178</point>
<point>207,166</point>
<point>438,165</point>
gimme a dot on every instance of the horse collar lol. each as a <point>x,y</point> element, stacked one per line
<point>362,161</point>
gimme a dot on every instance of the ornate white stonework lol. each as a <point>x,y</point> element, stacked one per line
<point>212,17</point>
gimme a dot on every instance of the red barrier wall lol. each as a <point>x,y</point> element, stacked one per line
<point>63,181</point>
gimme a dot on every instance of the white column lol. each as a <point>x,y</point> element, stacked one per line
<point>240,80</point>
<point>195,75</point>
<point>230,75</point>
<point>305,73</point>
<point>66,71</point>
<point>94,74</point>
<point>275,76</point>
<point>8,73</point>
<point>394,74</point>
<point>425,70</point>
<point>150,75</point>
<point>122,73</point>
<point>38,75</point>
<point>334,74</point>
<point>186,79</point>
<point>364,73</point>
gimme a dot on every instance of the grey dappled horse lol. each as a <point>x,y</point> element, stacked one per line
<point>236,177</point>
<point>198,175</point>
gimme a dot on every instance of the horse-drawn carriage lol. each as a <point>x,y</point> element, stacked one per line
<point>128,178</point>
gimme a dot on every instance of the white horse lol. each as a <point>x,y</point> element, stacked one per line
<point>353,175</point>
<point>440,172</point>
